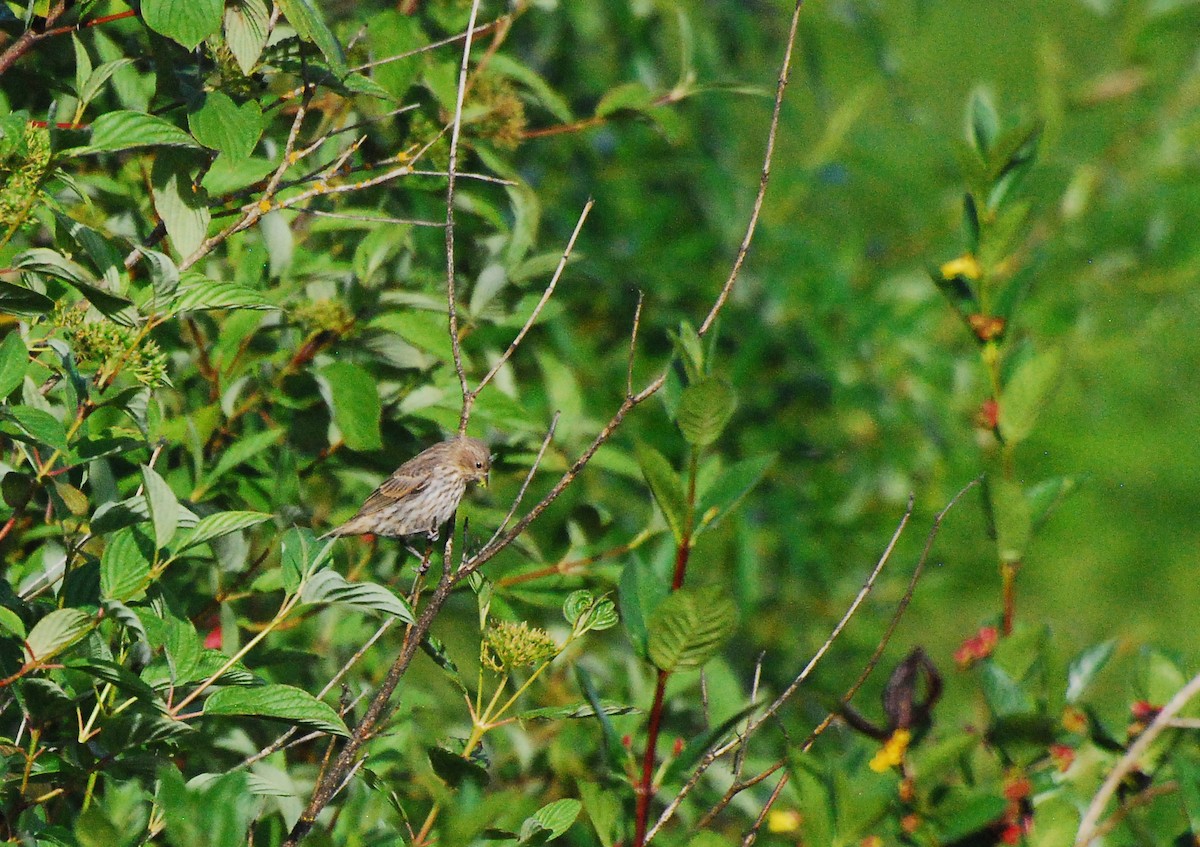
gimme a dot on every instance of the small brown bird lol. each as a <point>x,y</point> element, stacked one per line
<point>423,493</point>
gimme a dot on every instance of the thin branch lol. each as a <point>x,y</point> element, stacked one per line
<point>785,73</point>
<point>282,740</point>
<point>29,38</point>
<point>470,396</point>
<point>489,551</point>
<point>455,132</point>
<point>1089,827</point>
<point>752,833</point>
<point>528,478</point>
<point>470,32</point>
<point>633,334</point>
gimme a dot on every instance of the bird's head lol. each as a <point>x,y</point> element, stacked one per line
<point>472,459</point>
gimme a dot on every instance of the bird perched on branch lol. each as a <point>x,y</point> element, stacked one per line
<point>424,492</point>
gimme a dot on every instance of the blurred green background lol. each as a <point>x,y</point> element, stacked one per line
<point>848,361</point>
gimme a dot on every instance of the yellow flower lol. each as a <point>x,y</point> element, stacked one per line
<point>965,265</point>
<point>786,820</point>
<point>892,753</point>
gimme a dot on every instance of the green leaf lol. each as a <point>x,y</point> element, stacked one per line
<point>247,25</point>
<point>689,627</point>
<point>215,526</point>
<point>983,124</point>
<point>727,491</point>
<point>1187,771</point>
<point>120,676</point>
<point>704,410</point>
<point>665,486</point>
<point>1159,677</point>
<point>277,702</point>
<point>181,203</point>
<point>19,300</point>
<point>51,263</point>
<point>127,130</point>
<point>306,18</point>
<point>424,330</point>
<point>1085,666</point>
<point>301,553</point>
<point>1004,695</point>
<point>14,361</point>
<point>634,96</point>
<point>357,411</point>
<point>97,78</point>
<point>331,587</point>
<point>1010,513</point>
<point>640,591</point>
<point>164,506</point>
<point>1026,393</point>
<point>557,817</point>
<point>225,126</point>
<point>242,450</point>
<point>585,612</point>
<point>543,93</point>
<point>11,622</point>
<point>455,770</point>
<point>40,426</point>
<point>604,810</point>
<point>56,632</point>
<point>197,292</point>
<point>963,818</point>
<point>574,711</point>
<point>125,565</point>
<point>186,21</point>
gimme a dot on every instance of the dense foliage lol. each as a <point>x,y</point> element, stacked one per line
<point>257,254</point>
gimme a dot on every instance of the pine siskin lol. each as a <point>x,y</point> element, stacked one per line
<point>423,493</point>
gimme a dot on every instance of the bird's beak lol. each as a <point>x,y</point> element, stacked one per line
<point>483,483</point>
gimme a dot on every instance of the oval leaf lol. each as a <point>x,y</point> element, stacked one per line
<point>277,702</point>
<point>689,627</point>
<point>704,410</point>
<point>125,565</point>
<point>186,21</point>
<point>666,488</point>
<point>14,358</point>
<point>215,526</point>
<point>332,587</point>
<point>126,130</point>
<point>164,506</point>
<point>56,632</point>
<point>1025,395</point>
<point>357,410</point>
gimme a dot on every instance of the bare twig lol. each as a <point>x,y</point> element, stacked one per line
<point>1090,826</point>
<point>469,397</point>
<point>455,132</point>
<point>470,32</point>
<point>30,37</point>
<point>528,478</point>
<point>633,333</point>
<point>752,833</point>
<point>785,72</point>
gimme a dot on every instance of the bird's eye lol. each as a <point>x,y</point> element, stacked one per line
<point>479,465</point>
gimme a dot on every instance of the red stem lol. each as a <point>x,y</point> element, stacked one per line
<point>645,788</point>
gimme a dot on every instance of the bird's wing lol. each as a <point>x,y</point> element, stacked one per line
<point>395,487</point>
